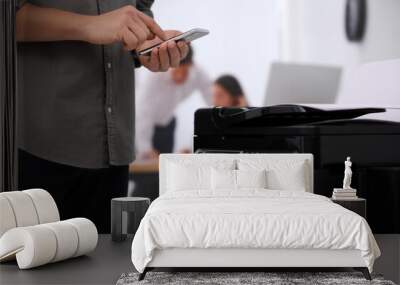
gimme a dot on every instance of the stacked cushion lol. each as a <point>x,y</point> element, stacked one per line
<point>7,218</point>
<point>45,205</point>
<point>31,231</point>
<point>23,209</point>
<point>26,208</point>
<point>41,244</point>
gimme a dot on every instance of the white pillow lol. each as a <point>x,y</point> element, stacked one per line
<point>231,180</point>
<point>282,174</point>
<point>223,179</point>
<point>193,174</point>
<point>251,178</point>
<point>183,178</point>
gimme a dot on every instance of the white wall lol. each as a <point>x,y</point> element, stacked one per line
<point>314,33</point>
<point>243,40</point>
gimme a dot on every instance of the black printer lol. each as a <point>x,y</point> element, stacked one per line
<point>330,135</point>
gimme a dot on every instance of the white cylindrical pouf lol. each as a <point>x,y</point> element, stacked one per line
<point>7,218</point>
<point>40,244</point>
<point>36,245</point>
<point>23,208</point>
<point>87,234</point>
<point>45,205</point>
<point>67,239</point>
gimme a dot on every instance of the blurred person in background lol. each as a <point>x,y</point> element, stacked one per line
<point>156,104</point>
<point>227,92</point>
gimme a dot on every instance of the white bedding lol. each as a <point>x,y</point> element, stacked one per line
<point>250,219</point>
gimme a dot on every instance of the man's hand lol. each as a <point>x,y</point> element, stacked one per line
<point>127,25</point>
<point>168,55</point>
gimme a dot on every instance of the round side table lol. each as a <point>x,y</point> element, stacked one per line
<point>134,208</point>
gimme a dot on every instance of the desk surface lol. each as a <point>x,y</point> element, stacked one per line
<point>149,166</point>
<point>103,266</point>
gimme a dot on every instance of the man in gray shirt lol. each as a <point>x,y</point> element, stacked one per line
<point>76,97</point>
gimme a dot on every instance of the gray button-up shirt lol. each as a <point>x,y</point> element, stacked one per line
<point>76,100</point>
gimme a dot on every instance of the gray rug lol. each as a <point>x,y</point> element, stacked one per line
<point>232,278</point>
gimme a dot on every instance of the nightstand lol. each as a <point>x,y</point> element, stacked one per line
<point>358,205</point>
<point>134,208</point>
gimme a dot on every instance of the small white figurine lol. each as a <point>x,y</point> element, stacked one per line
<point>347,174</point>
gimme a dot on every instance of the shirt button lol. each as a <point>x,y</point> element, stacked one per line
<point>109,110</point>
<point>109,65</point>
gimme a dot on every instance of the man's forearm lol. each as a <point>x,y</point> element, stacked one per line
<point>47,24</point>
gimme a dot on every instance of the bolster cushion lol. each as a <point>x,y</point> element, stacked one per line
<point>40,244</point>
<point>26,208</point>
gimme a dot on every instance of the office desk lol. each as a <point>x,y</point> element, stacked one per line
<point>144,175</point>
<point>139,167</point>
<point>102,266</point>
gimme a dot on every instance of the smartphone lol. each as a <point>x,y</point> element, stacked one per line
<point>188,36</point>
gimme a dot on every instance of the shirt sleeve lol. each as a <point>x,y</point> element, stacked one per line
<point>144,134</point>
<point>145,6</point>
<point>204,86</point>
<point>145,116</point>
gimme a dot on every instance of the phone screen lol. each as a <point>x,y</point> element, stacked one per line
<point>187,36</point>
<point>147,50</point>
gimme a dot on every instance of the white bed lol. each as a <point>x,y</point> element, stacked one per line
<point>248,227</point>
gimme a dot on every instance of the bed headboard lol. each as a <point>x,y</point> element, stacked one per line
<point>210,157</point>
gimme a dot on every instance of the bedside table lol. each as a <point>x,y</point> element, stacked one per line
<point>358,205</point>
<point>135,208</point>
